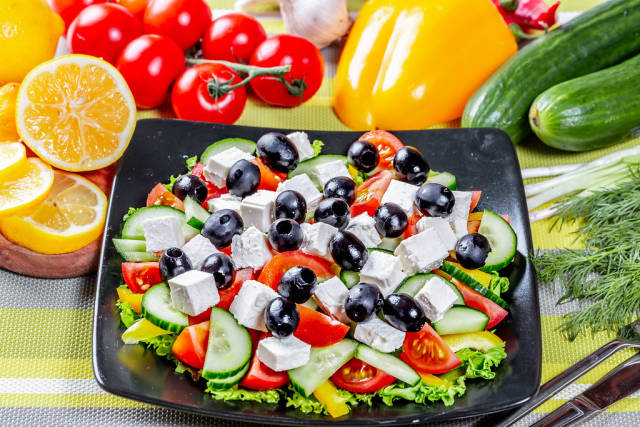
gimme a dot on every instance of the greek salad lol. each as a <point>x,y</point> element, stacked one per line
<point>273,273</point>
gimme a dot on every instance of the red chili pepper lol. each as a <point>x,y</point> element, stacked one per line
<point>530,14</point>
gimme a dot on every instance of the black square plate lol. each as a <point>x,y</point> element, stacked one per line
<point>481,159</point>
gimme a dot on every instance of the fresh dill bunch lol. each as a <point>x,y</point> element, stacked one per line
<point>605,276</point>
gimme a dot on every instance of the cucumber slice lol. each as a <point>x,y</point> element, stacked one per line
<point>349,278</point>
<point>229,348</point>
<point>133,226</point>
<point>388,363</point>
<point>461,319</point>
<point>130,256</point>
<point>390,243</point>
<point>195,214</point>
<point>308,165</point>
<point>227,383</point>
<point>412,285</point>
<point>502,239</point>
<point>157,309</point>
<point>223,145</point>
<point>443,178</point>
<point>323,362</point>
<point>133,250</point>
<point>310,303</point>
<point>456,273</point>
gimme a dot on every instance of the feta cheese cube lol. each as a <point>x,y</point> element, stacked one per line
<point>218,166</point>
<point>303,185</point>
<point>225,201</point>
<point>162,233</point>
<point>364,227</point>
<point>250,249</point>
<point>383,270</point>
<point>316,238</point>
<point>282,354</point>
<point>331,296</point>
<point>461,206</point>
<point>402,194</point>
<point>325,171</point>
<point>256,209</point>
<point>422,252</point>
<point>379,335</point>
<point>193,292</point>
<point>459,227</point>
<point>442,227</point>
<point>198,249</point>
<point>303,145</point>
<point>248,306</point>
<point>435,298</point>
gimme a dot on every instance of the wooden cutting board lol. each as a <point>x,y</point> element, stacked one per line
<point>83,261</point>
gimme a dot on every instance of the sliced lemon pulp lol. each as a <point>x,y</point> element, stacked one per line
<point>24,187</point>
<point>12,156</point>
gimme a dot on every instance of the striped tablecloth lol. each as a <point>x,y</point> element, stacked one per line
<point>45,325</point>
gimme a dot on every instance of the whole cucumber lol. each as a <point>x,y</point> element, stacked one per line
<point>591,111</point>
<point>599,38</point>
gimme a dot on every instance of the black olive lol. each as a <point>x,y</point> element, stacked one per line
<point>222,268</point>
<point>281,317</point>
<point>297,284</point>
<point>390,220</point>
<point>363,302</point>
<point>410,166</point>
<point>348,251</point>
<point>221,226</point>
<point>334,212</point>
<point>290,204</point>
<point>192,186</point>
<point>285,235</point>
<point>243,178</point>
<point>341,187</point>
<point>435,200</point>
<point>363,155</point>
<point>174,262</point>
<point>472,250</point>
<point>404,313</point>
<point>277,152</point>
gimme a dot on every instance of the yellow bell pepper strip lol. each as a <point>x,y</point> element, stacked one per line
<point>134,300</point>
<point>481,341</point>
<point>327,394</point>
<point>410,64</point>
<point>142,330</point>
<point>475,216</point>
<point>431,379</point>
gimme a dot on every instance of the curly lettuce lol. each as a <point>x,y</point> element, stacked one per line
<point>478,364</point>
<point>309,405</point>
<point>264,396</point>
<point>317,147</point>
<point>423,392</point>
<point>498,285</point>
<point>127,316</point>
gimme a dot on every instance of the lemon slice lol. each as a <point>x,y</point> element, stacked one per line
<point>22,189</point>
<point>72,216</point>
<point>141,330</point>
<point>76,112</point>
<point>12,157</point>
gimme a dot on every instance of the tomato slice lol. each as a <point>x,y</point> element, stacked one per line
<point>227,295</point>
<point>387,145</point>
<point>473,227</point>
<point>369,194</point>
<point>260,376</point>
<point>140,276</point>
<point>412,226</point>
<point>317,329</point>
<point>269,179</point>
<point>474,299</point>
<point>159,195</point>
<point>279,264</point>
<point>191,345</point>
<point>357,376</point>
<point>212,190</point>
<point>427,353</point>
<point>475,198</point>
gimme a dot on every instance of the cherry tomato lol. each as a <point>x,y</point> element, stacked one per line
<point>357,376</point>
<point>103,30</point>
<point>369,194</point>
<point>136,7</point>
<point>474,299</point>
<point>150,64</point>
<point>232,37</point>
<point>307,68</point>
<point>269,179</point>
<point>191,99</point>
<point>387,145</point>
<point>69,9</point>
<point>191,345</point>
<point>260,376</point>
<point>159,195</point>
<point>317,329</point>
<point>427,353</point>
<point>212,190</point>
<point>140,276</point>
<point>274,269</point>
<point>183,21</point>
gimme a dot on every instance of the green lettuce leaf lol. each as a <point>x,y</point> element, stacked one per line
<point>191,163</point>
<point>317,147</point>
<point>422,392</point>
<point>498,285</point>
<point>266,396</point>
<point>172,179</point>
<point>307,405</point>
<point>127,316</point>
<point>130,212</point>
<point>479,364</point>
<point>359,178</point>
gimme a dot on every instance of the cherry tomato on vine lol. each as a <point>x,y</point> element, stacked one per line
<point>103,30</point>
<point>150,64</point>
<point>69,9</point>
<point>136,7</point>
<point>183,21</point>
<point>232,37</point>
<point>307,70</point>
<point>192,98</point>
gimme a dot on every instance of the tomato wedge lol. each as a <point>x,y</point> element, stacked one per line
<point>227,295</point>
<point>474,299</point>
<point>387,145</point>
<point>212,190</point>
<point>279,264</point>
<point>369,194</point>
<point>191,345</point>
<point>140,276</point>
<point>475,198</point>
<point>427,353</point>
<point>317,329</point>
<point>260,376</point>
<point>159,195</point>
<point>269,179</point>
<point>357,376</point>
<point>412,226</point>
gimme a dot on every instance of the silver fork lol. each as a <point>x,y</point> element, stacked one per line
<point>629,337</point>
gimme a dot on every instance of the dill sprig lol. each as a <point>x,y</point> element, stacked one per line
<point>605,276</point>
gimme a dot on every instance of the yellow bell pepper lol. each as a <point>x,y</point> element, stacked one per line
<point>327,394</point>
<point>481,341</point>
<point>134,300</point>
<point>410,64</point>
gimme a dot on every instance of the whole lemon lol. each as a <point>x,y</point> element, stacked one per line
<point>8,97</point>
<point>29,33</point>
